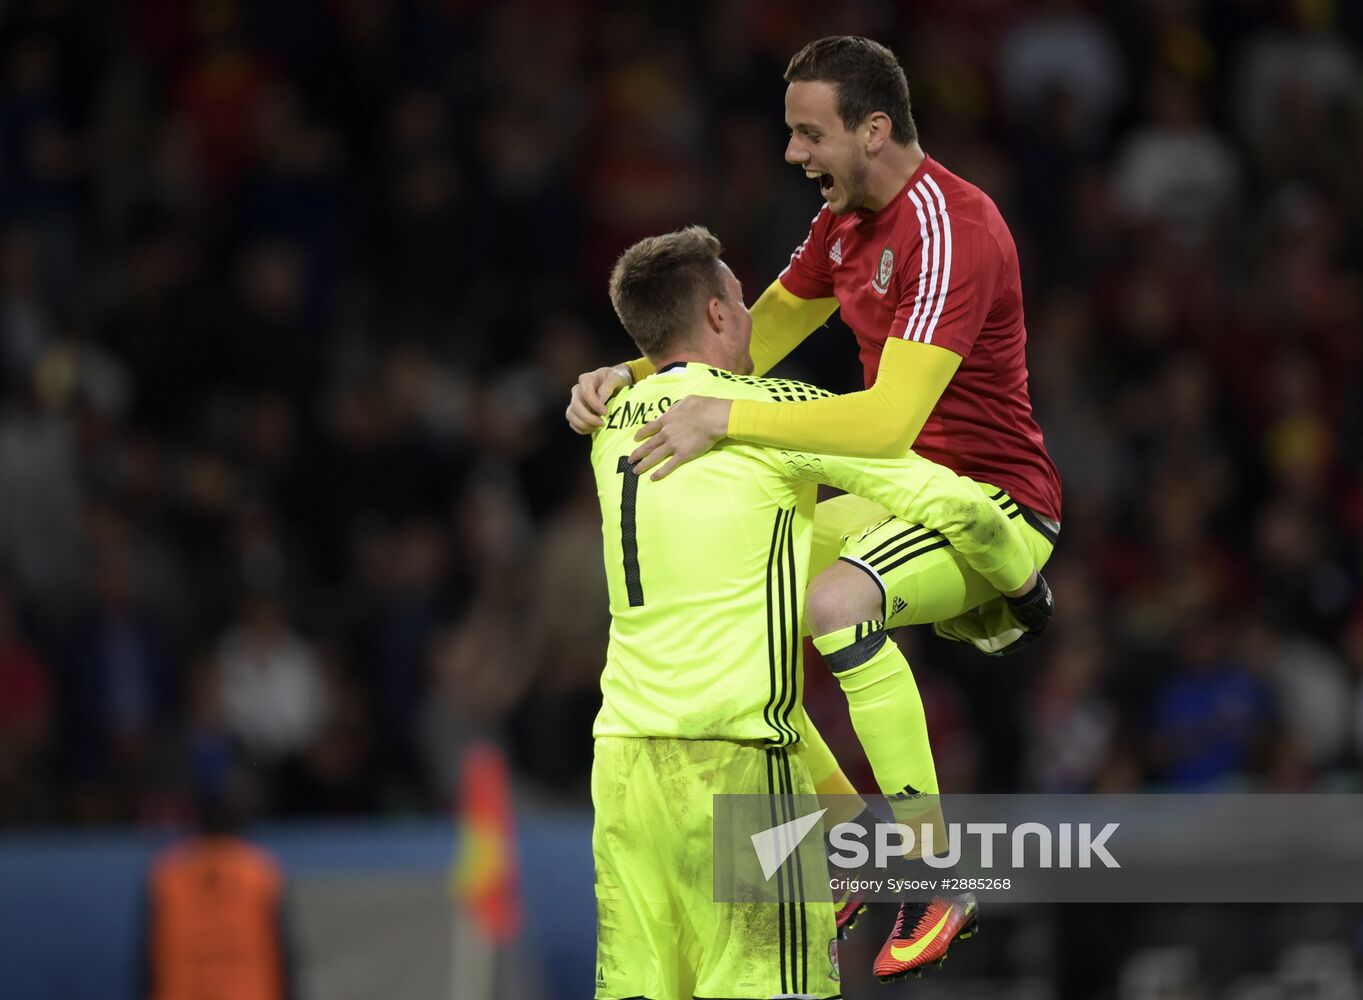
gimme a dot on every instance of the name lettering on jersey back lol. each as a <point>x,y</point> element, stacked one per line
<point>629,414</point>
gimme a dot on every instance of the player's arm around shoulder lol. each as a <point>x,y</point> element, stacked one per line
<point>781,320</point>
<point>882,421</point>
<point>694,423</point>
<point>691,428</point>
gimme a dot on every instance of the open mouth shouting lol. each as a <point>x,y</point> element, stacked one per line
<point>826,182</point>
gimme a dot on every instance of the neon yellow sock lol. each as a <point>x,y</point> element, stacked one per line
<point>884,704</point>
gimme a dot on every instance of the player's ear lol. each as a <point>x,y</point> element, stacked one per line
<point>877,128</point>
<point>714,315</point>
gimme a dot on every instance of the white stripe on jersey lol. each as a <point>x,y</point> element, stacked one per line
<point>928,256</point>
<point>935,269</point>
<point>946,259</point>
<point>923,263</point>
<point>927,308</point>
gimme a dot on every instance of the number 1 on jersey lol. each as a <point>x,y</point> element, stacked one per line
<point>629,538</point>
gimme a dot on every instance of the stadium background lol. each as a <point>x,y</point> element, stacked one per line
<point>291,297</point>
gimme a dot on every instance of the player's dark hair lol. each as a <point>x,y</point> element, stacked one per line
<point>867,76</point>
<point>660,286</point>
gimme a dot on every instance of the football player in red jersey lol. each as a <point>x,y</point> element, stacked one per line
<point>923,269</point>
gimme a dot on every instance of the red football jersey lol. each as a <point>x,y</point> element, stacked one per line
<point>938,265</point>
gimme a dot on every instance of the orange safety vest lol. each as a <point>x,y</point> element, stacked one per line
<point>215,922</point>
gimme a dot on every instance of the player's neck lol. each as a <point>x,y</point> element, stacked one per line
<point>685,357</point>
<point>890,171</point>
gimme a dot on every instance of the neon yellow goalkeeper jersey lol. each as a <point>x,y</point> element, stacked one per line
<point>707,567</point>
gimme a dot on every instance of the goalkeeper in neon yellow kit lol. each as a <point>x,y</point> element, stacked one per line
<point>702,689</point>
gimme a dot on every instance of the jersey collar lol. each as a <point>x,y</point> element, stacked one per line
<point>903,194</point>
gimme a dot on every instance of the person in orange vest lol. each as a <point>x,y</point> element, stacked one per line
<point>216,927</point>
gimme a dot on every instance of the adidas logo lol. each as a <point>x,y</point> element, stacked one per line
<point>897,607</point>
<point>835,254</point>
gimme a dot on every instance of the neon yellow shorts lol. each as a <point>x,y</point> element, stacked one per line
<point>660,935</point>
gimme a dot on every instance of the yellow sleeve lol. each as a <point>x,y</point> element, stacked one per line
<point>780,321</point>
<point>882,421</point>
<point>640,369</point>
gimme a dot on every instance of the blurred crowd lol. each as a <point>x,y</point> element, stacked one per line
<point>292,295</point>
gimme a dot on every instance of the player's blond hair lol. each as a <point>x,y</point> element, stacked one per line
<point>660,287</point>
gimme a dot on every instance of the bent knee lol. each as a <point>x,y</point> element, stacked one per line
<point>843,595</point>
<point>978,519</point>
